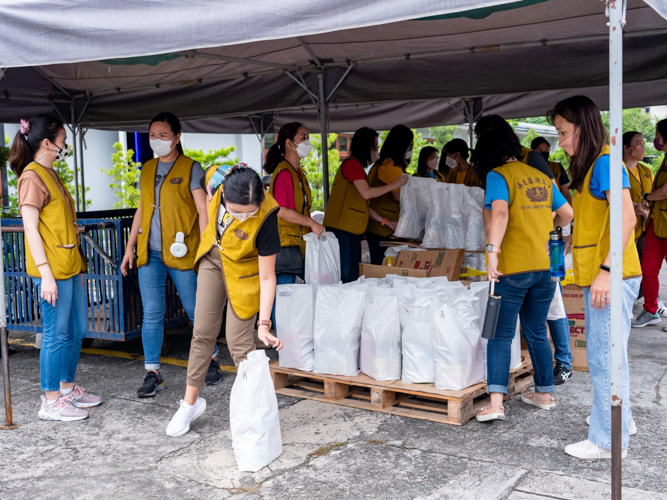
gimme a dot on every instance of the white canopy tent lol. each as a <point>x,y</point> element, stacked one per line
<point>248,66</point>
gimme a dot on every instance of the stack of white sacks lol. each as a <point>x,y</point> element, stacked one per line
<point>445,216</point>
<point>420,330</point>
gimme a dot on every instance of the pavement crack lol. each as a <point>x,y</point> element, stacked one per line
<point>658,397</point>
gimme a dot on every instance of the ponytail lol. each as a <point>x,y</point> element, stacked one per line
<point>28,140</point>
<point>174,124</point>
<point>276,153</point>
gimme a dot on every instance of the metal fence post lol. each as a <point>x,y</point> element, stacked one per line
<point>4,346</point>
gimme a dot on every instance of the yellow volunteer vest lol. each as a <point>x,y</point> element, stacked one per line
<point>471,179</point>
<point>57,228</point>
<point>439,176</point>
<point>590,239</point>
<point>659,208</point>
<point>637,190</point>
<point>177,212</point>
<point>530,196</point>
<point>238,253</point>
<point>347,210</point>
<point>556,169</point>
<point>386,206</point>
<point>291,235</point>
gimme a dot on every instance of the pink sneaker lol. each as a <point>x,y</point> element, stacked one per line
<point>82,399</point>
<point>62,410</point>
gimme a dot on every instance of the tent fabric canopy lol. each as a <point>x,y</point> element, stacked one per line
<point>415,71</point>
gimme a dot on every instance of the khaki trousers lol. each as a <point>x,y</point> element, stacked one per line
<point>211,298</point>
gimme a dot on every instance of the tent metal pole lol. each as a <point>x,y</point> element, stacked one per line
<point>82,132</point>
<point>616,21</point>
<point>4,346</point>
<point>325,144</point>
<point>73,128</point>
<point>470,111</point>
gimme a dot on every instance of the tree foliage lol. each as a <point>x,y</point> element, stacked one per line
<point>314,170</point>
<point>442,135</point>
<point>213,156</point>
<point>125,174</point>
<point>417,144</point>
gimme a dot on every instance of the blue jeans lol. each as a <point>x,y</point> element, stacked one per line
<point>350,254</point>
<point>598,352</point>
<point>65,326</point>
<point>560,336</point>
<point>529,296</point>
<point>153,285</point>
<point>281,279</point>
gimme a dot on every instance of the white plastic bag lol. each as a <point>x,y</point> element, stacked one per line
<point>295,317</point>
<point>380,354</point>
<point>415,204</point>
<point>557,307</point>
<point>435,222</point>
<point>515,361</point>
<point>475,233</point>
<point>393,251</point>
<point>338,317</point>
<point>253,415</point>
<point>416,339</point>
<point>455,227</point>
<point>322,266</point>
<point>457,350</point>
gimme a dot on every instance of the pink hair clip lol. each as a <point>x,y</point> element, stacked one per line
<point>25,127</point>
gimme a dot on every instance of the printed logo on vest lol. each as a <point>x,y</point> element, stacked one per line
<point>176,180</point>
<point>242,235</point>
<point>537,194</point>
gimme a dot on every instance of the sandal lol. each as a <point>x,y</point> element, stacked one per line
<point>527,397</point>
<point>490,416</point>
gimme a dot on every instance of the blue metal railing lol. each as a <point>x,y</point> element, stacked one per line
<point>114,301</point>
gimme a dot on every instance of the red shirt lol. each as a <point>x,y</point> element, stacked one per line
<point>353,170</point>
<point>283,190</point>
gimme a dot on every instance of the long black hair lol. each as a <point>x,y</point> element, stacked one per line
<point>243,186</point>
<point>398,141</point>
<point>585,116</point>
<point>538,141</point>
<point>491,122</point>
<point>493,149</point>
<point>174,124</point>
<point>276,153</point>
<point>661,127</point>
<point>424,154</point>
<point>363,141</point>
<point>628,136</point>
<point>25,146</point>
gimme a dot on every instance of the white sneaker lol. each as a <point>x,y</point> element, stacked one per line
<point>632,430</point>
<point>586,450</point>
<point>186,414</point>
<point>62,410</point>
<point>662,309</point>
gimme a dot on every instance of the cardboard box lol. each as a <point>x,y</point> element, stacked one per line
<point>436,262</point>
<point>573,298</point>
<point>373,271</point>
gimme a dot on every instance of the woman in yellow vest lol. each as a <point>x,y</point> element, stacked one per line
<point>55,262</point>
<point>655,244</point>
<point>641,182</point>
<point>427,164</point>
<point>521,201</point>
<point>394,160</point>
<point>166,231</point>
<point>583,137</point>
<point>461,172</point>
<point>236,261</point>
<point>347,212</point>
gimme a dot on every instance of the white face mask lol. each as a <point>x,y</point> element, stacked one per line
<point>375,155</point>
<point>160,147</point>
<point>304,148</point>
<point>451,162</point>
<point>408,153</point>
<point>433,164</point>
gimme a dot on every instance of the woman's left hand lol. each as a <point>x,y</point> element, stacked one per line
<point>268,339</point>
<point>600,291</point>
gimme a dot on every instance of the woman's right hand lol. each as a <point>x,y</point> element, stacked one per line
<point>401,181</point>
<point>316,228</point>
<point>49,289</point>
<point>128,261</point>
<point>492,267</point>
<point>391,225</point>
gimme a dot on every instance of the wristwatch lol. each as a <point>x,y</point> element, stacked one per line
<point>264,322</point>
<point>605,268</point>
<point>645,196</point>
<point>491,249</point>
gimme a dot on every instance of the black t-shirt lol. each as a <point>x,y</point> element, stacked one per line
<point>564,178</point>
<point>536,160</point>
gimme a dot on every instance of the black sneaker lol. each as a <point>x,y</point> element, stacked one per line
<point>213,376</point>
<point>152,384</point>
<point>561,374</point>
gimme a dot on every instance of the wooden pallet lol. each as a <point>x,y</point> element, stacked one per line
<point>422,401</point>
